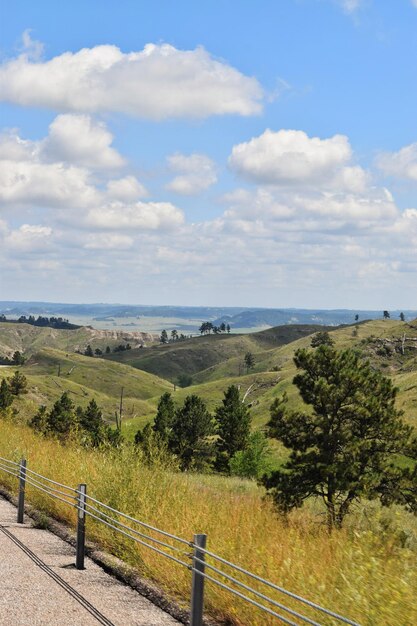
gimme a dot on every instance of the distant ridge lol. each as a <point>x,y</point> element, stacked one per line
<point>237,317</point>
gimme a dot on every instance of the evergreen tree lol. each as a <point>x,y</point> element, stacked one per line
<point>164,337</point>
<point>88,351</point>
<point>343,448</point>
<point>191,434</point>
<point>322,338</point>
<point>108,350</point>
<point>249,361</point>
<point>402,317</point>
<point>6,397</point>
<point>18,384</point>
<point>164,417</point>
<point>386,315</point>
<point>18,358</point>
<point>40,420</point>
<point>233,427</point>
<point>62,418</point>
<point>91,421</point>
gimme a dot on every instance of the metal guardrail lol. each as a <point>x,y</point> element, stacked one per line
<point>197,561</point>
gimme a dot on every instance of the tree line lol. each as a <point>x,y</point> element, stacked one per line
<point>16,359</point>
<point>222,442</point>
<point>44,322</point>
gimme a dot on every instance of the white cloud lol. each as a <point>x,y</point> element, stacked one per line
<point>158,82</point>
<point>402,164</point>
<point>28,238</point>
<point>141,215</point>
<point>291,157</point>
<point>197,172</point>
<point>32,183</point>
<point>31,48</point>
<point>350,6</point>
<point>60,170</point>
<point>127,188</point>
<point>414,3</point>
<point>79,140</point>
<point>108,241</point>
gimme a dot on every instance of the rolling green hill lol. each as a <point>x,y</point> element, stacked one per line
<point>214,361</point>
<point>29,339</point>
<point>199,354</point>
<point>50,372</point>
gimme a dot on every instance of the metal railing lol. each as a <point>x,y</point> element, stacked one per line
<point>223,573</point>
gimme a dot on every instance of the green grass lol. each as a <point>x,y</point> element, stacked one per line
<point>200,356</point>
<point>86,378</point>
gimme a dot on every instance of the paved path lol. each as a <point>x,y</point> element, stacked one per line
<point>40,587</point>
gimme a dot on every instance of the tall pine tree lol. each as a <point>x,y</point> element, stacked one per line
<point>233,427</point>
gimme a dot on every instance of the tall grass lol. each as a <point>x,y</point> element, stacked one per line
<point>366,571</point>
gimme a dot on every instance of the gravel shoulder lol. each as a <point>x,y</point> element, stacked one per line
<point>41,587</point>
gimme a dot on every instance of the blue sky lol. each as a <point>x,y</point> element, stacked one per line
<point>156,180</point>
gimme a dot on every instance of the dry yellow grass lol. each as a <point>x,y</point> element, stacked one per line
<point>366,572</point>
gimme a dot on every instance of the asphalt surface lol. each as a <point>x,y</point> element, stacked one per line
<point>39,585</point>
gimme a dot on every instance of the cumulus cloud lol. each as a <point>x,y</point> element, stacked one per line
<point>140,215</point>
<point>265,212</point>
<point>29,238</point>
<point>60,170</point>
<point>32,183</point>
<point>291,157</point>
<point>401,164</point>
<point>127,188</point>
<point>79,140</point>
<point>157,82</point>
<point>196,173</point>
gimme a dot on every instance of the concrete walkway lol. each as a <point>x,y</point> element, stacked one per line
<point>39,585</point>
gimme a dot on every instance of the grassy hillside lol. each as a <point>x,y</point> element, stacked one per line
<point>199,354</point>
<point>86,378</point>
<point>29,339</point>
<point>215,363</point>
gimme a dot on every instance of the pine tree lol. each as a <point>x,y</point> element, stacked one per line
<point>40,419</point>
<point>6,397</point>
<point>88,351</point>
<point>233,427</point>
<point>164,417</point>
<point>91,421</point>
<point>322,338</point>
<point>18,384</point>
<point>343,448</point>
<point>191,434</point>
<point>62,418</point>
<point>164,337</point>
<point>249,361</point>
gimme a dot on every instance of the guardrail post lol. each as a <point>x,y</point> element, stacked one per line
<point>81,502</point>
<point>197,587</point>
<point>22,485</point>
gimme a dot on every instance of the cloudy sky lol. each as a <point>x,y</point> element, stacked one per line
<point>209,153</point>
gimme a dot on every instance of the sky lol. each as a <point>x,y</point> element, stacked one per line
<point>217,153</point>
